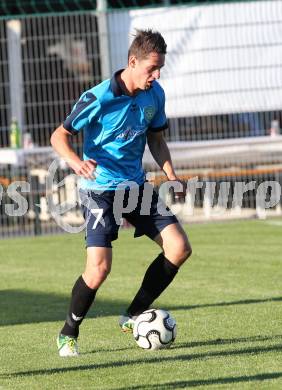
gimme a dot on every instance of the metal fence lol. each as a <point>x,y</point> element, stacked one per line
<point>59,58</point>
<point>55,57</point>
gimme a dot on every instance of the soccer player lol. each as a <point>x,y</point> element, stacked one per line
<point>117,117</point>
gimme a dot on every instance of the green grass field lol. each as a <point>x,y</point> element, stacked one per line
<point>226,301</point>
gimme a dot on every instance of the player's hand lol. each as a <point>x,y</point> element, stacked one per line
<point>85,168</point>
<point>179,196</point>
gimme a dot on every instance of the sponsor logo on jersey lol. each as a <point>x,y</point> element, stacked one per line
<point>131,133</point>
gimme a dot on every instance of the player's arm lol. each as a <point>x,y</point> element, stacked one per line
<point>161,154</point>
<point>61,142</point>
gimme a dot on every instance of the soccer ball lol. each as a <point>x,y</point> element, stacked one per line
<point>154,329</point>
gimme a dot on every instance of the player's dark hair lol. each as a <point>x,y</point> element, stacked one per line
<point>146,42</point>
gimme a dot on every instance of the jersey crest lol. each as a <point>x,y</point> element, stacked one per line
<point>149,112</point>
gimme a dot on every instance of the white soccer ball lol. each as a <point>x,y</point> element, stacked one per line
<point>154,329</point>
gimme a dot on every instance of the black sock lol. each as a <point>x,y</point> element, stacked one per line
<point>157,277</point>
<point>81,300</point>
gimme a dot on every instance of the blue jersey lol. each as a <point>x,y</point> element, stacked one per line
<point>115,127</point>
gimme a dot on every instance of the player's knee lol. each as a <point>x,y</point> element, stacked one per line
<point>187,251</point>
<point>184,252</point>
<point>102,272</point>
<point>96,272</point>
<point>95,276</point>
<point>179,252</point>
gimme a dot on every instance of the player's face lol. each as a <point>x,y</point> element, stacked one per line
<point>147,70</point>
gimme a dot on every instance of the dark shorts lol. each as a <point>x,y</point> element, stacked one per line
<point>140,206</point>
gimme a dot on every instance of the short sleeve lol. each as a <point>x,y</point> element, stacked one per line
<point>82,113</point>
<point>159,122</point>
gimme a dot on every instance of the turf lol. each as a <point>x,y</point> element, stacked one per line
<point>226,301</point>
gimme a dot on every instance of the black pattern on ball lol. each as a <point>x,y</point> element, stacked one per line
<point>154,329</point>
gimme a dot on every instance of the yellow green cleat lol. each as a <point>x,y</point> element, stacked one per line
<point>126,323</point>
<point>67,346</point>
